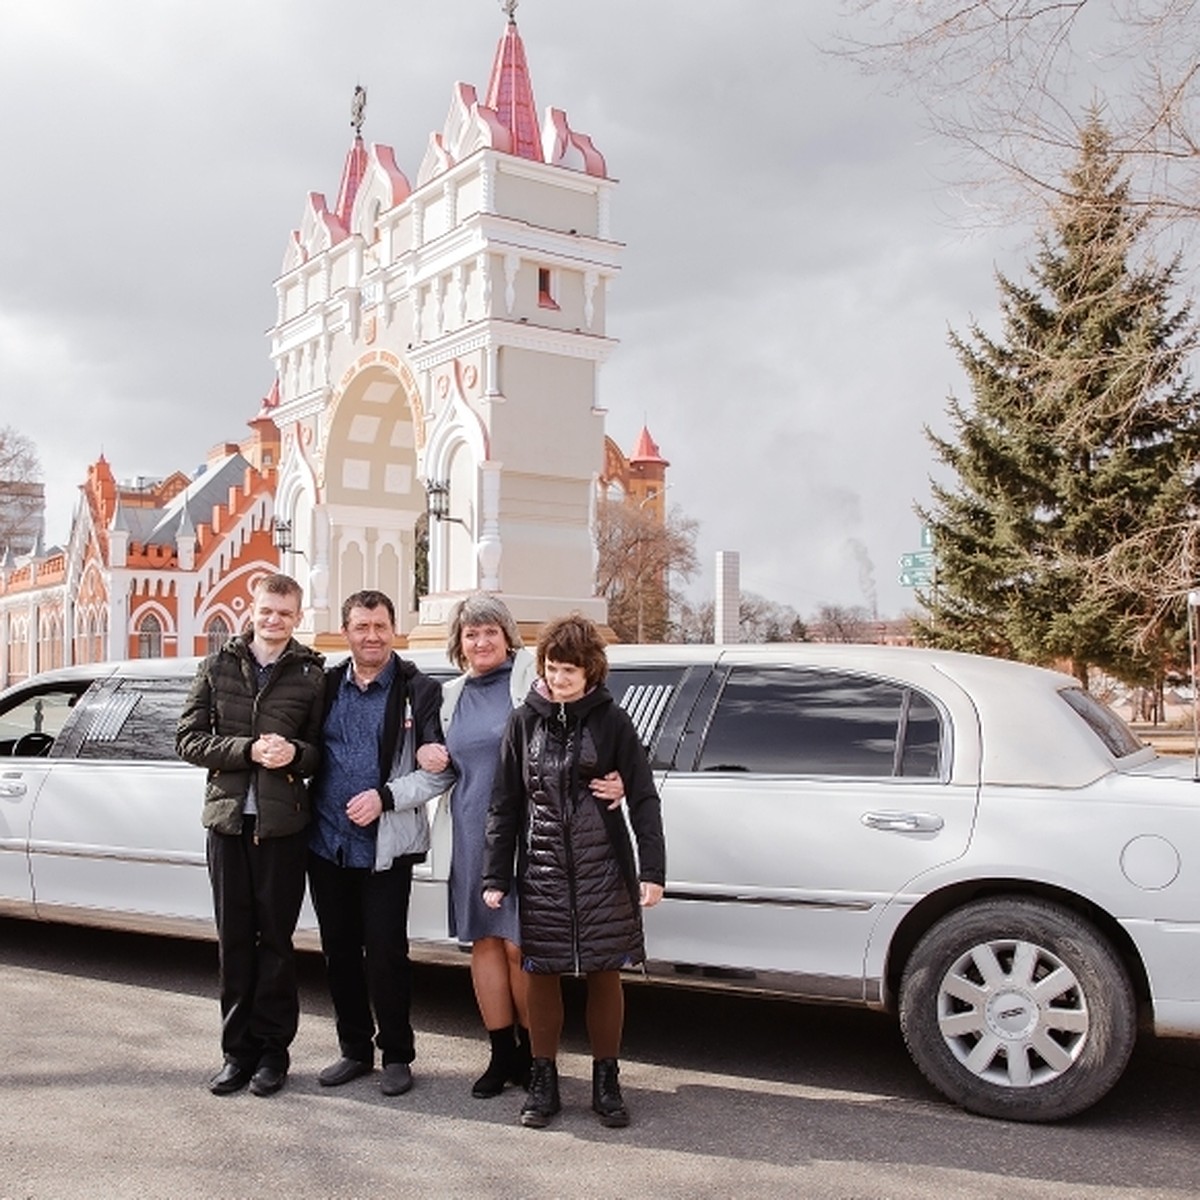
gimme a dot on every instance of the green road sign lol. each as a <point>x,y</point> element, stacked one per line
<point>916,577</point>
<point>922,560</point>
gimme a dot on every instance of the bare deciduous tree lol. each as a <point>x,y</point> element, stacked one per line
<point>759,620</point>
<point>844,623</point>
<point>639,560</point>
<point>1010,83</point>
<point>21,494</point>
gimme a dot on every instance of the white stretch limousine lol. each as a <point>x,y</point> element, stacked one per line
<point>976,845</point>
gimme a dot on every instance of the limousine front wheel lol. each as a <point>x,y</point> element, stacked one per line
<point>1018,1008</point>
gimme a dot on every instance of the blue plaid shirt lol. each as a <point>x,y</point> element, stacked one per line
<point>349,765</point>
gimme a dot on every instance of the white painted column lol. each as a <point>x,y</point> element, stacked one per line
<point>728,591</point>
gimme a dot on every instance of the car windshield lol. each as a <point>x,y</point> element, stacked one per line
<point>1117,737</point>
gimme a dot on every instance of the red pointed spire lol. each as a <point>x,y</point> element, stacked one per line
<point>646,450</point>
<point>352,176</point>
<point>356,160</point>
<point>510,94</point>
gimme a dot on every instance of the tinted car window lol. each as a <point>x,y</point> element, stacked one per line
<point>646,694</point>
<point>788,721</point>
<point>921,743</point>
<point>126,718</point>
<point>1119,739</point>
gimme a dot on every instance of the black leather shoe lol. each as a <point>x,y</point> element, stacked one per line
<point>397,1079</point>
<point>266,1081</point>
<point>607,1101</point>
<point>543,1101</point>
<point>229,1079</point>
<point>342,1071</point>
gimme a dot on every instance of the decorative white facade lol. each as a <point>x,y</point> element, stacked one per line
<point>449,333</point>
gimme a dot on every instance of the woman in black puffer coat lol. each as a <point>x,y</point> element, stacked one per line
<point>579,886</point>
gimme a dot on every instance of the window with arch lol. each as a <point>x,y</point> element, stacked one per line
<point>99,627</point>
<point>150,639</point>
<point>216,634</point>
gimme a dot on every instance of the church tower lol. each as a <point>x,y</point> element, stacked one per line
<point>437,347</point>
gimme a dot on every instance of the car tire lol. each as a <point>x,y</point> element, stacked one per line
<point>1018,1008</point>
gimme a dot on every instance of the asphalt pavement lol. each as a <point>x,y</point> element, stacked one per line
<point>109,1040</point>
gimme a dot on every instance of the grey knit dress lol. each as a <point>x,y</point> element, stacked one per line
<point>473,739</point>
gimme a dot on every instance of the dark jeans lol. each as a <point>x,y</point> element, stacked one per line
<point>363,917</point>
<point>258,888</point>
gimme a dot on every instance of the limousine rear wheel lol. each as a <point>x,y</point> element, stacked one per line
<point>1018,1008</point>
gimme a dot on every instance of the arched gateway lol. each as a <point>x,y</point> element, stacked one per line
<point>441,343</point>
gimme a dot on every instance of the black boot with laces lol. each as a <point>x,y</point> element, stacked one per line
<point>543,1100</point>
<point>606,1094</point>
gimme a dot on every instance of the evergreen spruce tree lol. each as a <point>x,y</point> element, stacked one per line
<point>1076,460</point>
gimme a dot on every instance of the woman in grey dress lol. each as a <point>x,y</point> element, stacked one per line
<point>484,642</point>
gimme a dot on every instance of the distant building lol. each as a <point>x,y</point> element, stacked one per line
<point>434,415</point>
<point>639,480</point>
<point>152,568</point>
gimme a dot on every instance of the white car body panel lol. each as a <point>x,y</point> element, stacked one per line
<point>818,886</point>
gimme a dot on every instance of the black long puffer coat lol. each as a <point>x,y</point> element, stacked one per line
<point>576,873</point>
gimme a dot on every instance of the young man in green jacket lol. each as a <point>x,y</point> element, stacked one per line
<point>253,719</point>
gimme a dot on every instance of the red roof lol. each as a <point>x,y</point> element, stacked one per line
<point>646,451</point>
<point>352,176</point>
<point>510,94</point>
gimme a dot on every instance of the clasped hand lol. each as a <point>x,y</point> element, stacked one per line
<point>272,751</point>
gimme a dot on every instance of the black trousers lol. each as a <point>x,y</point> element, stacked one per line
<point>363,916</point>
<point>258,888</point>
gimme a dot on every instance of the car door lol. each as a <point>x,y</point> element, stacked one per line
<point>813,797</point>
<point>31,718</point>
<point>116,832</point>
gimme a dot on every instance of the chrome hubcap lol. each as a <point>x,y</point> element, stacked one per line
<point>1013,1013</point>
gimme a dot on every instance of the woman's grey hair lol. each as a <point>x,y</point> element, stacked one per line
<point>479,608</point>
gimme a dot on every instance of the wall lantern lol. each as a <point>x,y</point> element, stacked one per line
<point>281,537</point>
<point>437,492</point>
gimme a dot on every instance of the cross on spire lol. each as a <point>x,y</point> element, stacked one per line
<point>510,8</point>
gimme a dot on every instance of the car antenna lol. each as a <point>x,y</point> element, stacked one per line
<point>1193,602</point>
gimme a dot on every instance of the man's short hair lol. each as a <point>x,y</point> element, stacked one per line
<point>479,608</point>
<point>368,598</point>
<point>278,584</point>
<point>577,641</point>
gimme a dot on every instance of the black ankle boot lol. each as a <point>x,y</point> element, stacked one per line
<point>543,1100</point>
<point>522,1059</point>
<point>500,1067</point>
<point>606,1093</point>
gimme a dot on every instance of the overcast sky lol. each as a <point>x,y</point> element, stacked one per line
<point>793,257</point>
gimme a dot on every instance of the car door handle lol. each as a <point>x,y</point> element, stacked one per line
<point>12,787</point>
<point>903,822</point>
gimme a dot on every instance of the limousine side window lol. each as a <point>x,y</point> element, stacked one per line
<point>127,719</point>
<point>647,695</point>
<point>798,721</point>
